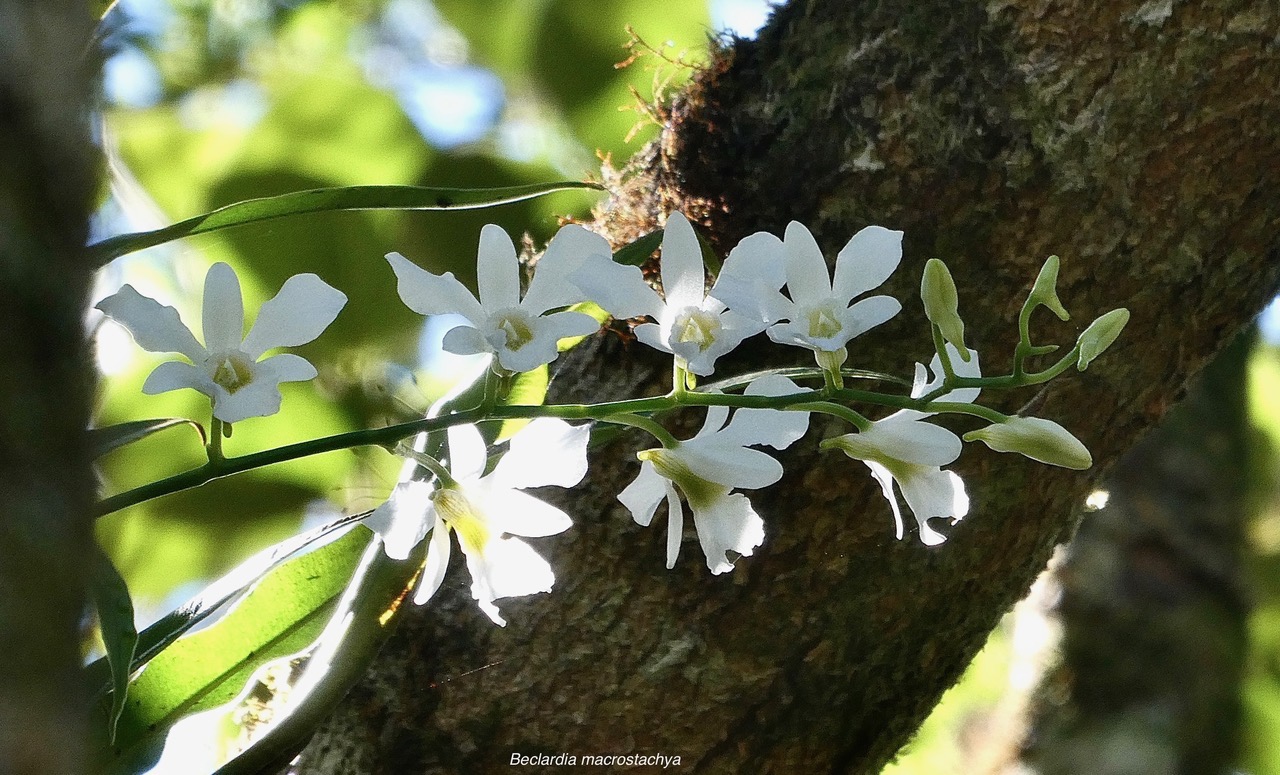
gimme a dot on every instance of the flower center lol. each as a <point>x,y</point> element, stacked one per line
<point>459,514</point>
<point>697,491</point>
<point>515,324</point>
<point>233,370</point>
<point>823,320</point>
<point>698,327</point>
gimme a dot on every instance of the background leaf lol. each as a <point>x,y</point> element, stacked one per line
<point>119,634</point>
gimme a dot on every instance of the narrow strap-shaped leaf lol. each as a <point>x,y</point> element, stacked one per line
<point>104,440</point>
<point>361,622</point>
<point>169,628</point>
<point>324,200</point>
<point>119,633</point>
<point>283,613</point>
<point>636,253</point>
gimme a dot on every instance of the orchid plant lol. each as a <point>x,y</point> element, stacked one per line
<point>450,485</point>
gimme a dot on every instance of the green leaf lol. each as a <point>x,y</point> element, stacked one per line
<point>639,251</point>
<point>283,613</point>
<point>103,440</point>
<point>119,634</point>
<point>169,628</point>
<point>527,389</point>
<point>358,626</point>
<point>323,200</point>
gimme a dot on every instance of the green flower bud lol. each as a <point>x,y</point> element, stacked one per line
<point>1036,438</point>
<point>1045,291</point>
<point>938,292</point>
<point>1099,335</point>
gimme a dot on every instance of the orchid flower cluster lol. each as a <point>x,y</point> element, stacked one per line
<point>777,286</point>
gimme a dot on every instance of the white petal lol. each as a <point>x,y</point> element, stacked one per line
<point>753,298</point>
<point>465,340</point>
<point>760,258</point>
<point>972,368</point>
<point>869,313</point>
<point>932,493</point>
<point>260,398</point>
<point>773,427</point>
<point>643,495</point>
<point>300,312</point>
<point>497,269</point>
<point>547,451</point>
<point>866,261</point>
<point>536,352</point>
<point>429,294</point>
<point>404,518</point>
<point>518,513</point>
<point>437,564</point>
<point>714,421</point>
<point>651,334</point>
<point>675,524</point>
<point>807,278</point>
<point>885,479</point>
<point>155,327</point>
<point>619,290</point>
<point>175,375</point>
<point>908,440</point>
<point>285,367</point>
<point>729,465</point>
<point>683,275</point>
<point>547,331</point>
<point>223,309</point>
<point>791,334</point>
<point>727,524</point>
<point>509,568</point>
<point>467,453</point>
<point>572,250</point>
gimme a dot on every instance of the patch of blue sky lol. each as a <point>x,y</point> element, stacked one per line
<point>414,53</point>
<point>1269,322</point>
<point>450,106</point>
<point>148,18</point>
<point>743,18</point>
<point>130,79</point>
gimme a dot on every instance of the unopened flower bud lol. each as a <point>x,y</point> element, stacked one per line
<point>938,292</point>
<point>1099,336</point>
<point>1036,438</point>
<point>1045,291</point>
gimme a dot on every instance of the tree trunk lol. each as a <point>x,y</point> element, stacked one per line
<point>47,172</point>
<point>1154,603</point>
<point>1136,140</point>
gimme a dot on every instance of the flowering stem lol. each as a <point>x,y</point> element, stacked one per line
<point>944,357</point>
<point>645,424</point>
<point>214,447</point>
<point>679,385</point>
<point>429,463</point>
<point>632,409</point>
<point>843,412</point>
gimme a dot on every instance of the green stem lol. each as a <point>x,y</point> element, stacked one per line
<point>645,424</point>
<point>843,412</point>
<point>214,447</point>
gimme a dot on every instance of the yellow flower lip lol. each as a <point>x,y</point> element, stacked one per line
<point>697,327</point>
<point>697,491</point>
<point>233,371</point>
<point>516,327</point>
<point>463,518</point>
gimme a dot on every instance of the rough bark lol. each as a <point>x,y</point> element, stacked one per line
<point>47,172</point>
<point>1136,141</point>
<point>1154,602</point>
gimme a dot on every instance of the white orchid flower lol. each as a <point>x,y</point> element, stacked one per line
<point>706,468</point>
<point>518,331</point>
<point>905,450</point>
<point>487,511</point>
<point>691,324</point>
<point>818,314</point>
<point>225,368</point>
